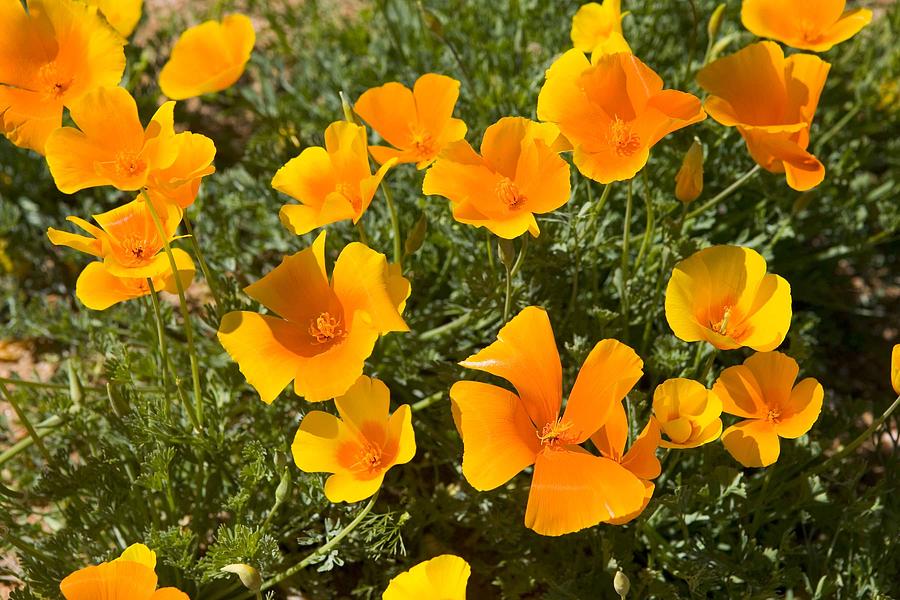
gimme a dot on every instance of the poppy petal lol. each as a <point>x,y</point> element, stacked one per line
<point>317,443</point>
<point>117,580</point>
<point>348,487</point>
<point>499,439</point>
<point>641,457</point>
<point>802,409</point>
<point>361,278</point>
<point>387,109</point>
<point>752,443</point>
<point>435,97</point>
<point>443,577</point>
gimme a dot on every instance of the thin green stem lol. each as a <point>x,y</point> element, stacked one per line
<point>361,230</point>
<point>163,351</point>
<point>395,224</point>
<point>598,208</point>
<point>724,193</point>
<point>23,418</point>
<point>321,550</point>
<point>203,266</point>
<point>626,234</point>
<point>701,376</point>
<point>65,386</point>
<point>43,427</point>
<point>427,401</point>
<point>438,331</point>
<point>182,302</point>
<point>507,301</point>
<point>648,233</point>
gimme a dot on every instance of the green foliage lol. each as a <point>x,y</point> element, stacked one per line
<point>126,465</point>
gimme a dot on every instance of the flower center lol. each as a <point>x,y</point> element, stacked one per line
<point>325,328</point>
<point>128,164</point>
<point>721,326</point>
<point>774,415</point>
<point>351,193</point>
<point>509,194</point>
<point>55,83</point>
<point>368,458</point>
<point>624,141</point>
<point>424,144</point>
<point>556,433</point>
<point>138,250</point>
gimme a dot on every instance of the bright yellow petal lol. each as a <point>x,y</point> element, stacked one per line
<point>361,280</point>
<point>435,97</point>
<point>208,58</point>
<point>895,368</point>
<point>139,553</point>
<point>499,439</point>
<point>850,23</point>
<point>594,22</point>
<point>345,487</point>
<point>752,443</point>
<point>81,243</point>
<point>607,375</point>
<point>309,177</point>
<point>801,410</point>
<point>98,289</point>
<point>388,110</point>
<point>611,438</point>
<point>648,494</point>
<point>365,409</point>
<point>169,594</point>
<point>317,443</point>
<point>525,354</point>
<point>117,580</point>
<point>268,350</point>
<point>775,374</point>
<point>573,490</point>
<point>740,393</point>
<point>123,15</point>
<point>401,441</point>
<point>444,577</point>
<point>641,457</point>
<point>180,181</point>
<point>562,99</point>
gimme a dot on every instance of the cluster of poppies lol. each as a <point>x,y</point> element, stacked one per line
<point>599,102</point>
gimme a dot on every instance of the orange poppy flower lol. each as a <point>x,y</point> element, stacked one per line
<point>131,251</point>
<point>815,25</point>
<point>612,112</point>
<point>112,148</point>
<point>207,58</point>
<point>418,123</point>
<point>689,179</point>
<point>597,28</point>
<point>640,460</point>
<point>325,330</point>
<point>518,174</point>
<point>762,391</point>
<point>332,183</point>
<point>360,446</point>
<point>771,100</point>
<point>132,576</point>
<point>687,413</point>
<point>503,433</point>
<point>724,296</point>
<point>443,577</point>
<point>50,56</point>
<point>123,15</point>
<point>895,368</point>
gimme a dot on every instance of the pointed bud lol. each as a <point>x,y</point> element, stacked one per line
<point>689,180</point>
<point>247,574</point>
<point>284,486</point>
<point>76,393</point>
<point>349,115</point>
<point>416,236</point>
<point>715,21</point>
<point>621,584</point>
<point>507,252</point>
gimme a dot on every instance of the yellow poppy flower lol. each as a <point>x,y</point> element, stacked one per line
<point>724,296</point>
<point>895,368</point>
<point>123,15</point>
<point>689,179</point>
<point>129,245</point>
<point>518,174</point>
<point>594,23</point>
<point>418,123</point>
<point>613,112</point>
<point>762,391</point>
<point>325,330</point>
<point>332,183</point>
<point>111,147</point>
<point>129,577</point>
<point>50,56</point>
<point>207,58</point>
<point>359,447</point>
<point>640,459</point>
<point>504,432</point>
<point>815,25</point>
<point>442,578</point>
<point>687,413</point>
<point>771,100</point>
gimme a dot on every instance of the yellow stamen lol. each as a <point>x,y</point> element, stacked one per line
<point>325,328</point>
<point>509,194</point>
<point>624,141</point>
<point>554,433</point>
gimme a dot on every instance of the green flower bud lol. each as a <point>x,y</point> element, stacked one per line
<point>621,584</point>
<point>247,574</point>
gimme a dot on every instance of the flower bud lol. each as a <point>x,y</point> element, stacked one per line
<point>247,574</point>
<point>76,393</point>
<point>417,236</point>
<point>715,21</point>
<point>284,486</point>
<point>621,584</point>
<point>689,180</point>
<point>507,252</point>
<point>349,115</point>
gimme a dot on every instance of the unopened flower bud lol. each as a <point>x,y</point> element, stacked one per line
<point>621,584</point>
<point>76,393</point>
<point>417,236</point>
<point>247,574</point>
<point>349,115</point>
<point>507,252</point>
<point>715,21</point>
<point>284,486</point>
<point>689,179</point>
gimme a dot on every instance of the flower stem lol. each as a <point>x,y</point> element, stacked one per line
<point>41,428</point>
<point>163,351</point>
<point>626,233</point>
<point>508,299</point>
<point>724,193</point>
<point>23,418</point>
<point>395,224</point>
<point>182,302</point>
<point>203,266</point>
<point>648,234</point>
<point>321,550</point>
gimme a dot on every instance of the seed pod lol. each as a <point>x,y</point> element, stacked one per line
<point>416,236</point>
<point>689,180</point>
<point>715,21</point>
